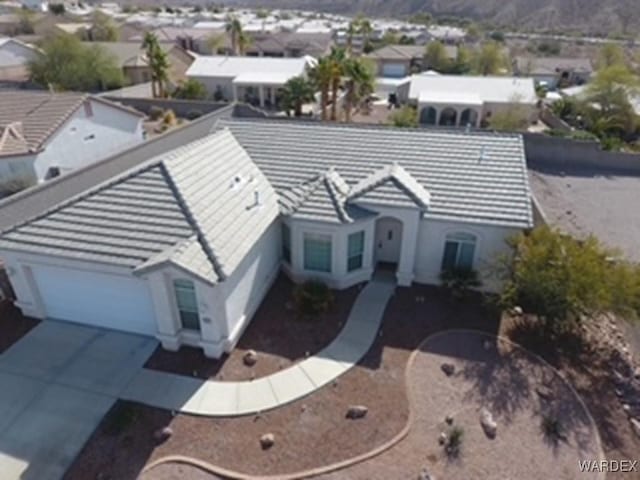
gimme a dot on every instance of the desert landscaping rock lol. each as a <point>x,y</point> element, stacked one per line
<point>489,425</point>
<point>267,441</point>
<point>424,475</point>
<point>357,411</point>
<point>448,419</point>
<point>162,434</point>
<point>250,358</point>
<point>448,369</point>
<point>442,438</point>
<point>544,392</point>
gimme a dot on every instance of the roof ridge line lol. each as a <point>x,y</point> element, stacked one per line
<point>186,211</point>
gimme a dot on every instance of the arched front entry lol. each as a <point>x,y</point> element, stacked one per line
<point>428,116</point>
<point>388,240</point>
<point>469,117</point>
<point>448,117</point>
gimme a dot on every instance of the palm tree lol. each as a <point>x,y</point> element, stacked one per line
<point>158,63</point>
<point>296,92</point>
<point>365,29</point>
<point>352,30</point>
<point>244,42</point>
<point>321,76</point>
<point>216,43</point>
<point>234,28</point>
<point>359,84</point>
<point>337,60</point>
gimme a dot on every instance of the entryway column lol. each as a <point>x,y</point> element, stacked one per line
<point>411,227</point>
<point>261,94</point>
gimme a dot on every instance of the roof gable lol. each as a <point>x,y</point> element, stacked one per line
<point>374,188</point>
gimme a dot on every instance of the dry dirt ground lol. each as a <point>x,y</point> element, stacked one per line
<point>313,432</point>
<point>277,333</point>
<point>309,433</point>
<point>504,381</point>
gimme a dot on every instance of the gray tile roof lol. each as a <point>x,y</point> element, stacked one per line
<point>41,113</point>
<point>36,200</point>
<point>552,65</point>
<point>202,206</point>
<point>472,177</point>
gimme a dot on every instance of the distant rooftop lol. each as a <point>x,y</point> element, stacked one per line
<point>488,89</point>
<point>231,66</point>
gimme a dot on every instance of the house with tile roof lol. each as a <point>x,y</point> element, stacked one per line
<point>554,71</point>
<point>15,56</point>
<point>132,59</point>
<point>398,61</point>
<point>43,135</point>
<point>184,245</point>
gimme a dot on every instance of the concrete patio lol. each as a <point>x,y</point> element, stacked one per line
<point>215,398</point>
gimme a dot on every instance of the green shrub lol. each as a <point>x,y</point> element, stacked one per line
<point>460,281</point>
<point>155,112</point>
<point>454,441</point>
<point>169,118</point>
<point>312,298</point>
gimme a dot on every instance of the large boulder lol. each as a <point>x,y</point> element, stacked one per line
<point>489,425</point>
<point>267,440</point>
<point>448,369</point>
<point>356,411</point>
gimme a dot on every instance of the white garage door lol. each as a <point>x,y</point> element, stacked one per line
<point>102,300</point>
<point>394,70</point>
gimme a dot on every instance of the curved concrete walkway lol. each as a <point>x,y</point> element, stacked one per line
<point>213,398</point>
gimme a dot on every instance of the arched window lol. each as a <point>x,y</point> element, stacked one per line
<point>469,117</point>
<point>428,116</point>
<point>459,252</point>
<point>448,117</point>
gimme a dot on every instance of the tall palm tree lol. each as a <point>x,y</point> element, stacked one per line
<point>234,28</point>
<point>337,60</point>
<point>321,76</point>
<point>359,84</point>
<point>365,29</point>
<point>244,42</point>
<point>352,30</point>
<point>296,92</point>
<point>158,63</point>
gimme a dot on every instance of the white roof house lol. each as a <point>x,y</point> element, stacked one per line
<point>14,59</point>
<point>466,99</point>
<point>250,79</point>
<point>183,246</point>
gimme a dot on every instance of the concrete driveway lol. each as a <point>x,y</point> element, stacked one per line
<point>56,384</point>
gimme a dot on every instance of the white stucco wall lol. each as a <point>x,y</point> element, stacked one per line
<point>245,289</point>
<point>212,84</point>
<point>491,243</point>
<point>17,167</point>
<point>85,139</point>
<point>13,54</point>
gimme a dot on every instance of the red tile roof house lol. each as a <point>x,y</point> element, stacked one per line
<point>43,135</point>
<point>184,244</point>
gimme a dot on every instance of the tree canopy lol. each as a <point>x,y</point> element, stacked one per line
<point>436,57</point>
<point>67,64</point>
<point>296,92</point>
<point>103,29</point>
<point>192,89</point>
<point>563,279</point>
<point>490,60</point>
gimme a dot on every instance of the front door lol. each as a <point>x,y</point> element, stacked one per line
<point>388,240</point>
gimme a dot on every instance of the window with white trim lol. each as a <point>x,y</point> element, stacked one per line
<point>187,304</point>
<point>459,251</point>
<point>355,251</point>
<point>317,252</point>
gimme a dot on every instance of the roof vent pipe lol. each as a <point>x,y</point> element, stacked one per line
<point>256,197</point>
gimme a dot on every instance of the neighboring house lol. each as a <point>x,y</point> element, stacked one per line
<point>289,44</point>
<point>253,80</point>
<point>188,38</point>
<point>183,247</point>
<point>398,61</point>
<point>37,5</point>
<point>9,24</point>
<point>81,29</point>
<point>457,100</point>
<point>43,135</point>
<point>134,63</point>
<point>14,60</point>
<point>554,72</point>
